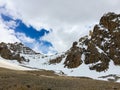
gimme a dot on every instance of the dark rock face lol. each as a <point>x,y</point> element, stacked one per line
<point>13,51</point>
<point>110,21</point>
<point>57,60</point>
<point>102,46</point>
<point>20,48</point>
<point>73,58</point>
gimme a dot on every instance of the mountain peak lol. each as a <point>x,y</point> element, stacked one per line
<point>111,21</point>
<point>99,49</point>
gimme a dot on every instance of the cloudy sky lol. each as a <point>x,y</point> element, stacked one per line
<point>48,26</point>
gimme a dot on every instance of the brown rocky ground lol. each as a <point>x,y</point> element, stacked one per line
<point>47,80</point>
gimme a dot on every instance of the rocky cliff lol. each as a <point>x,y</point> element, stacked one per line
<point>98,49</point>
<point>13,51</point>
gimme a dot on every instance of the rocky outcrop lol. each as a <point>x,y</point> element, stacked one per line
<point>98,49</point>
<point>110,21</point>
<point>12,51</point>
<point>57,60</point>
<point>73,58</point>
<point>20,48</point>
<point>104,44</point>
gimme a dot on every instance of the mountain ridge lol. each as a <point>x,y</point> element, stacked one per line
<point>13,51</point>
<point>101,47</point>
<point>97,53</point>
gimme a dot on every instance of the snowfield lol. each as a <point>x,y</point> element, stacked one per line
<point>5,64</point>
<point>38,62</point>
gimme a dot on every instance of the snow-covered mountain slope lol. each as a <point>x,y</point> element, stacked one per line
<point>41,62</point>
<point>96,55</point>
<point>5,64</point>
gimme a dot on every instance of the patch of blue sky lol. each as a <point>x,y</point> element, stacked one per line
<point>31,32</point>
<point>27,30</point>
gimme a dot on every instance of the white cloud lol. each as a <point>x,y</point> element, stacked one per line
<point>9,9</point>
<point>10,24</point>
<point>67,18</point>
<point>7,35</point>
<point>63,37</point>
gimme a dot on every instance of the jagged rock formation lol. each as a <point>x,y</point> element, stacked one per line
<point>98,49</point>
<point>12,51</point>
<point>104,44</point>
<point>73,58</point>
<point>20,48</point>
<point>56,60</point>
